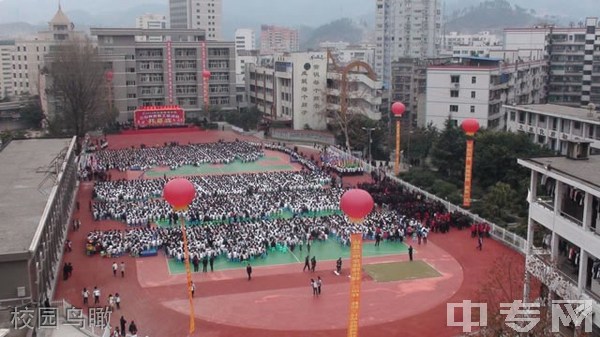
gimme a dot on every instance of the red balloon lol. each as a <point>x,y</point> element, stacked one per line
<point>179,193</point>
<point>398,109</point>
<point>470,126</point>
<point>206,74</point>
<point>356,204</point>
<point>109,75</point>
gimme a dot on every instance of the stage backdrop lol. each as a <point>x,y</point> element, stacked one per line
<point>159,116</point>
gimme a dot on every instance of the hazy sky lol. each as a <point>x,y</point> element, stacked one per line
<point>290,12</point>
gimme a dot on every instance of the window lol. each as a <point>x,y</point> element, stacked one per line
<point>472,109</point>
<point>453,108</point>
<point>453,93</point>
<point>512,116</point>
<point>473,94</point>
<point>474,79</point>
<point>454,78</point>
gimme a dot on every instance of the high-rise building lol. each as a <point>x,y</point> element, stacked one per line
<point>150,21</point>
<point>169,72</point>
<point>6,75</point>
<point>406,28</point>
<point>245,39</point>
<point>275,39</point>
<point>197,14</point>
<point>574,59</point>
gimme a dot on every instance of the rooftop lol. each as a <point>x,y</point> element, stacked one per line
<point>583,171</point>
<point>23,166</point>
<point>581,114</point>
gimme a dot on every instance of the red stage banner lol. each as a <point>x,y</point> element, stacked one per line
<point>159,116</point>
<point>355,283</point>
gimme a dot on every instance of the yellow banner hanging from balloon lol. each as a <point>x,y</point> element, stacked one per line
<point>468,174</point>
<point>355,283</point>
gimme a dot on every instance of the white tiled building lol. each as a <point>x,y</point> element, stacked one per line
<point>555,125</point>
<point>298,89</point>
<point>564,228</point>
<point>245,39</point>
<point>478,88</point>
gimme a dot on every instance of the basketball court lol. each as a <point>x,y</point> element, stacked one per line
<point>399,298</point>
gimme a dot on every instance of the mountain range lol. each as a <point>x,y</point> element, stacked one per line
<point>250,13</point>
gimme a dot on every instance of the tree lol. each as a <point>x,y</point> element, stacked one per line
<point>448,153</point>
<point>504,284</point>
<point>418,143</point>
<point>77,85</point>
<point>32,113</point>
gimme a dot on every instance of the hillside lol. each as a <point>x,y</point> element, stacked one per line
<point>339,30</point>
<point>490,15</point>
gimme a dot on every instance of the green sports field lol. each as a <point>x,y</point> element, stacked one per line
<point>400,271</point>
<point>264,164</point>
<point>322,250</point>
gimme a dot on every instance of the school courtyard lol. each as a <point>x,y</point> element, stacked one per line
<point>399,297</point>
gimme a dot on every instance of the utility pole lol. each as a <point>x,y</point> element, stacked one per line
<point>370,130</point>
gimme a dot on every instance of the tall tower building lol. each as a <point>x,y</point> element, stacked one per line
<point>406,28</point>
<point>244,39</point>
<point>198,14</point>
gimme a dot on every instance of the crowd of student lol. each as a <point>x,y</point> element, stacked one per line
<point>239,213</point>
<point>174,155</point>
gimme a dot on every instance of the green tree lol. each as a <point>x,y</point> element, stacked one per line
<point>448,152</point>
<point>418,144</point>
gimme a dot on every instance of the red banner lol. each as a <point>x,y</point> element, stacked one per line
<point>468,173</point>
<point>159,116</point>
<point>355,283</point>
<point>170,71</point>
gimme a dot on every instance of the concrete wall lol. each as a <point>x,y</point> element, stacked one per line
<point>14,274</point>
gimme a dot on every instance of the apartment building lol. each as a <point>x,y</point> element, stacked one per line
<point>150,21</point>
<point>300,90</point>
<point>206,15</point>
<point>170,72</point>
<point>405,28</point>
<point>409,82</point>
<point>276,39</point>
<point>6,74</point>
<point>574,59</point>
<point>554,126</point>
<point>563,236</point>
<point>478,87</point>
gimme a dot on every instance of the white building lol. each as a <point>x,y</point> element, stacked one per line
<point>406,28</point>
<point>150,21</point>
<point>297,89</point>
<point>477,51</point>
<point>198,14</point>
<point>478,88</point>
<point>563,236</point>
<point>355,53</point>
<point>28,55</point>
<point>245,39</point>
<point>555,125</point>
<point>483,38</point>
<point>6,73</point>
<point>277,39</point>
